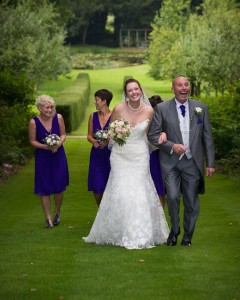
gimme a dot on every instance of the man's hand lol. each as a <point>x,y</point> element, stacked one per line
<point>210,171</point>
<point>179,149</point>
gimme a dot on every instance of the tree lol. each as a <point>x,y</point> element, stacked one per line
<point>210,46</point>
<point>87,23</point>
<point>31,41</point>
<point>80,15</point>
<point>205,49</point>
<point>167,26</point>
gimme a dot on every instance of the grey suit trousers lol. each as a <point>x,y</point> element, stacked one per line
<point>183,179</point>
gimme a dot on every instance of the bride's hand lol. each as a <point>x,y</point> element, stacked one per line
<point>162,138</point>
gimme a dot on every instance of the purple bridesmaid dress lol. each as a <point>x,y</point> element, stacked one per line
<point>156,173</point>
<point>99,164</point>
<point>51,169</point>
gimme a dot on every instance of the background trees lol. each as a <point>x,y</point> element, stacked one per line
<point>31,41</point>
<point>88,19</point>
<point>205,46</point>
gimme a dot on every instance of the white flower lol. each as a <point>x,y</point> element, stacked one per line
<point>51,139</point>
<point>101,135</point>
<point>198,111</point>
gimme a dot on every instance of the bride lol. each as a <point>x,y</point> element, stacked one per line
<point>130,214</point>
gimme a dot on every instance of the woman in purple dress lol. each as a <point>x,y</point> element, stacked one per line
<point>155,167</point>
<point>99,164</point>
<point>47,135</point>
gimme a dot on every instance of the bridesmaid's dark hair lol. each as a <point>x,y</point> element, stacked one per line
<point>129,81</point>
<point>104,94</point>
<point>154,100</point>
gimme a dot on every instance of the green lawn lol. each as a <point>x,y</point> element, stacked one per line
<point>39,263</point>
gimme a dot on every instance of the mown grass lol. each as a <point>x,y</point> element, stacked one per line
<point>37,263</point>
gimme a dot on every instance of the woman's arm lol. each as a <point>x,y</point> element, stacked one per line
<point>32,136</point>
<point>90,135</point>
<point>62,130</point>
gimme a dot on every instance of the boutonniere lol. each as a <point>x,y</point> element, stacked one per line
<point>198,111</point>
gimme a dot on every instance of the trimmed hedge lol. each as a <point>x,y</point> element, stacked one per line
<point>72,107</point>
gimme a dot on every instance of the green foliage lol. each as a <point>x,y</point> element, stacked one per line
<point>225,120</point>
<point>167,26</point>
<point>230,165</point>
<point>14,146</point>
<point>72,102</point>
<point>31,41</point>
<point>206,49</point>
<point>16,89</point>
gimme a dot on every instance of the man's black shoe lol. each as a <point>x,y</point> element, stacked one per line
<point>186,243</point>
<point>172,238</point>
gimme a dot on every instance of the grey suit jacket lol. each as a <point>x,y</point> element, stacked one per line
<point>200,137</point>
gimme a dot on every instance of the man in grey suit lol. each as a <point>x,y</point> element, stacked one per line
<point>189,140</point>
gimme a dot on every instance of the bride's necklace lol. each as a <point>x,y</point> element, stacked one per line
<point>132,108</point>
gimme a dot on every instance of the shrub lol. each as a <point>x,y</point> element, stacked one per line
<point>14,146</point>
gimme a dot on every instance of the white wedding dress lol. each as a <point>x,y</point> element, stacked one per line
<point>130,214</point>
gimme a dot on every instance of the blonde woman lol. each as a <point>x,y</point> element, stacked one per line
<point>51,168</point>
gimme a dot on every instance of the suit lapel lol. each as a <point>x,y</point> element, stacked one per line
<point>193,122</point>
<point>173,116</point>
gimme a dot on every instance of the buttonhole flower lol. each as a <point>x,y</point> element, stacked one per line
<point>198,111</point>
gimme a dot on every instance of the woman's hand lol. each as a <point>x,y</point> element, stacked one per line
<point>103,144</point>
<point>95,143</point>
<point>162,138</point>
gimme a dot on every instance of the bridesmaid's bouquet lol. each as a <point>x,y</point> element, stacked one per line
<point>119,131</point>
<point>101,135</point>
<point>51,140</point>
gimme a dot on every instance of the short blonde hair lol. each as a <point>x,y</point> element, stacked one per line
<point>43,99</point>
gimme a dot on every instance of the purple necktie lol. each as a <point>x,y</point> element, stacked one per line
<point>183,110</point>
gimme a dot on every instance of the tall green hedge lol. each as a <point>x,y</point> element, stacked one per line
<point>72,102</point>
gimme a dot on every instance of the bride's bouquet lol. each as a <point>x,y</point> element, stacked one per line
<point>118,131</point>
<point>51,140</point>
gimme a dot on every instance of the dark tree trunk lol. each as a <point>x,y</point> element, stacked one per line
<point>97,32</point>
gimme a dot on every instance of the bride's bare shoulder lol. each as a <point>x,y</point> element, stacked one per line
<point>119,107</point>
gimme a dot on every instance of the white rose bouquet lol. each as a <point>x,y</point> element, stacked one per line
<point>119,131</point>
<point>101,135</point>
<point>52,140</point>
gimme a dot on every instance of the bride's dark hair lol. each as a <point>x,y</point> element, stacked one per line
<point>129,81</point>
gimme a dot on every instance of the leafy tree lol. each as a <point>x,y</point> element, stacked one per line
<point>31,41</point>
<point>206,49</point>
<point>220,44</point>
<point>83,13</point>
<point>167,26</point>
<point>87,23</point>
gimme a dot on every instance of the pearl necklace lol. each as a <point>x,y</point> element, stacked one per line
<point>132,108</point>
